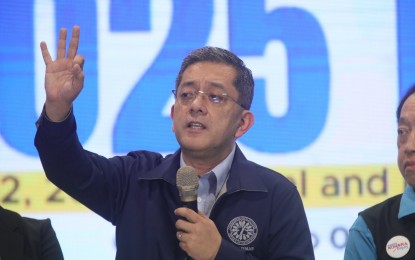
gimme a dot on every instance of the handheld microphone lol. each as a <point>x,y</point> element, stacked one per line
<point>187,183</point>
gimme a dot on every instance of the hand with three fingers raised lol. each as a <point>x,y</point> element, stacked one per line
<point>64,77</point>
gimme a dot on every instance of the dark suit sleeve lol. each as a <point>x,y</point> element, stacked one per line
<point>48,245</point>
<point>51,248</point>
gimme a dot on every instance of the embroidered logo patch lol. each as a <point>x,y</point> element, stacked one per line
<point>242,230</point>
<point>398,246</point>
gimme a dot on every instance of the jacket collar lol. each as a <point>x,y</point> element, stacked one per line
<point>242,174</point>
<point>166,170</point>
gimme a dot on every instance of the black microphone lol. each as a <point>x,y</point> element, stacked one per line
<point>187,183</point>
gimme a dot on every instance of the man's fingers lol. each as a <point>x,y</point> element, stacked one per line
<point>187,213</point>
<point>73,45</point>
<point>78,77</point>
<point>45,53</point>
<point>62,43</point>
<point>187,220</point>
<point>78,71</point>
<point>179,235</point>
<point>79,59</point>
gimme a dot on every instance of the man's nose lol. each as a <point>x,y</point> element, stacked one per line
<point>199,102</point>
<point>200,96</point>
<point>410,144</point>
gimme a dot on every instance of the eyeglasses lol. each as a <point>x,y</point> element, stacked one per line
<point>215,96</point>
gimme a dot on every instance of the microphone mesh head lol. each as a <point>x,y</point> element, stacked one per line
<point>187,176</point>
<point>187,183</point>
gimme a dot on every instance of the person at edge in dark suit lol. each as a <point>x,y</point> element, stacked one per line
<point>387,230</point>
<point>245,211</point>
<point>23,238</point>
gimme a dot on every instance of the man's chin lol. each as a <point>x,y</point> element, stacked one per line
<point>410,178</point>
<point>192,145</point>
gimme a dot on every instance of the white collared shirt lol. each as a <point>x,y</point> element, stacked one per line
<point>205,201</point>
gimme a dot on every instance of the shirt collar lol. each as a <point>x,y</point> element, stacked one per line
<point>407,205</point>
<point>221,170</point>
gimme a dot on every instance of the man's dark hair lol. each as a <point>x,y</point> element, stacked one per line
<point>243,82</point>
<point>407,95</point>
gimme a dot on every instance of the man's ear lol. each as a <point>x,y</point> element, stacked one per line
<point>246,122</point>
<point>172,112</point>
<point>172,117</point>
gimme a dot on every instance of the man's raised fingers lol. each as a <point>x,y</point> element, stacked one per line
<point>62,43</point>
<point>45,53</point>
<point>73,45</point>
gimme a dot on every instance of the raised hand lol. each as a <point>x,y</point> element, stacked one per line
<point>64,78</point>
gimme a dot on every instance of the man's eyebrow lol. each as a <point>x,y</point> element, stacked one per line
<point>190,83</point>
<point>193,83</point>
<point>216,85</point>
<point>403,121</point>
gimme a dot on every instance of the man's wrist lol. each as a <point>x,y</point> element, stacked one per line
<point>44,115</point>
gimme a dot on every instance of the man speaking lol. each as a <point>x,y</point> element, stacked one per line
<point>245,211</point>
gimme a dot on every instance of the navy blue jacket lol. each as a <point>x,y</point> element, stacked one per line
<point>260,216</point>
